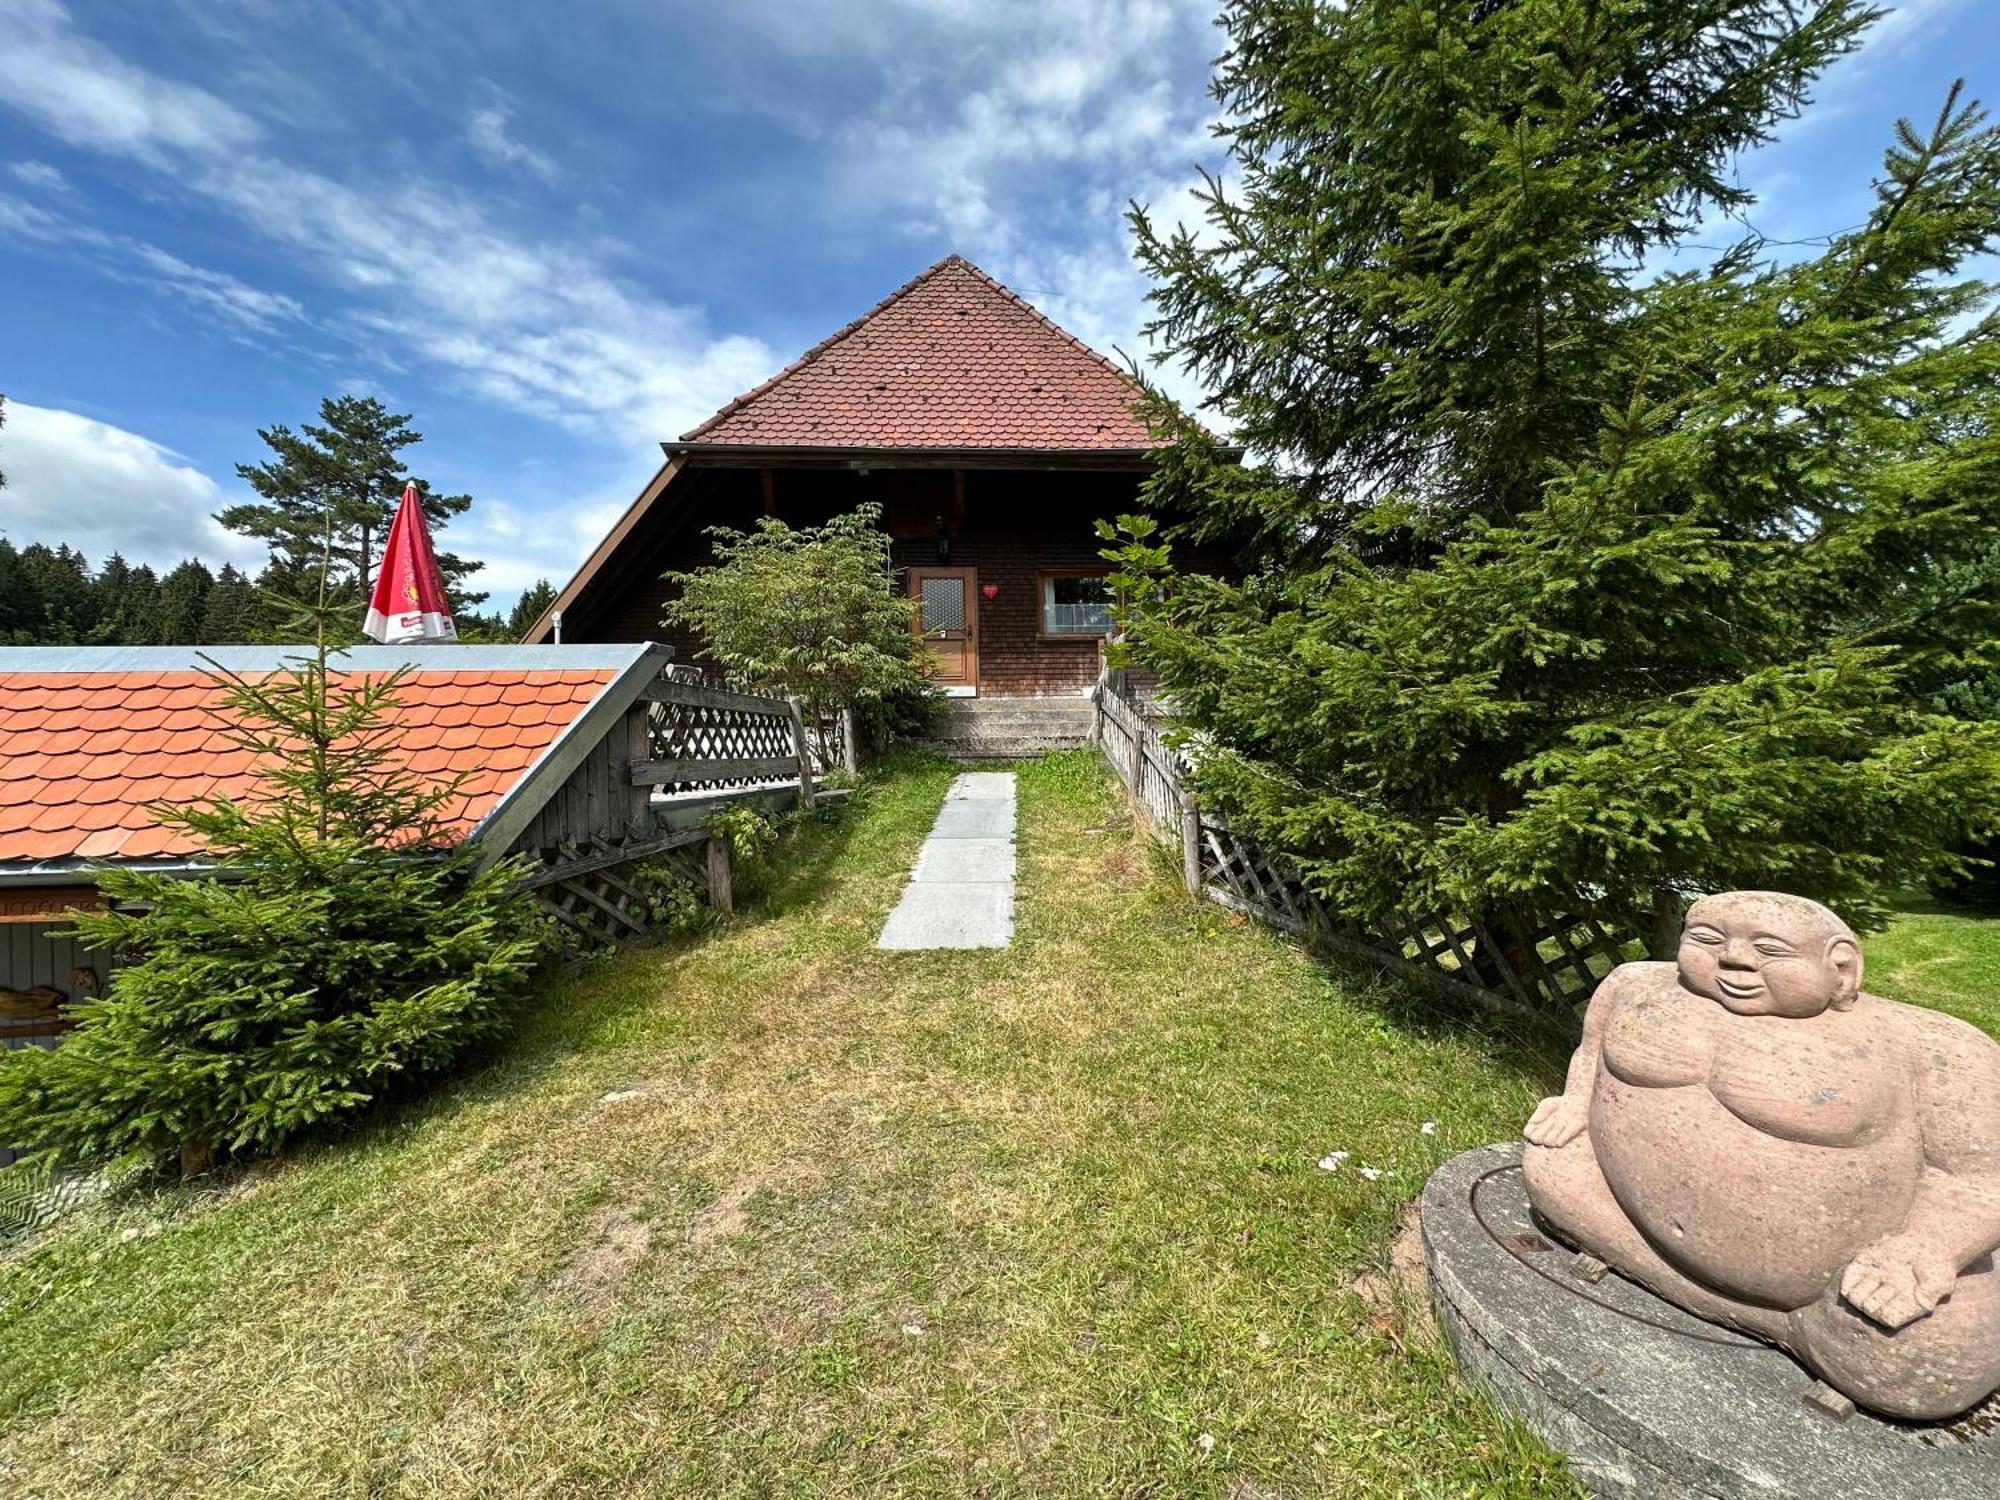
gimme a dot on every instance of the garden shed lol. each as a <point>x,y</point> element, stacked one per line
<point>582,758</point>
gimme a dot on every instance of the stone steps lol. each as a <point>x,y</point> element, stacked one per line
<point>1006,728</point>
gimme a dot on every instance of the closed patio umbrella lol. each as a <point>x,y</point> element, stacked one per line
<point>409,602</point>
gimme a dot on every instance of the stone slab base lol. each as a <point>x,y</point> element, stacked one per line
<point>1648,1400</point>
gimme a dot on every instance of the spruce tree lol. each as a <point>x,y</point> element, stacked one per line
<point>1571,584</point>
<point>230,614</point>
<point>530,607</point>
<point>21,609</point>
<point>183,604</point>
<point>347,941</point>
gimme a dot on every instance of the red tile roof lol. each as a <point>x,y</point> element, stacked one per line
<point>952,359</point>
<point>82,754</point>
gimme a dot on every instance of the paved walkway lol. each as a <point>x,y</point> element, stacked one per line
<point>961,895</point>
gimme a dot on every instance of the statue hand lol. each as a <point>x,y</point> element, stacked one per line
<point>1897,1280</point>
<point>1558,1121</point>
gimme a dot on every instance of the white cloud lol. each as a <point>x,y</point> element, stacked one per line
<point>539,326</point>
<point>84,94</point>
<point>38,175</point>
<point>486,128</point>
<point>245,309</point>
<point>71,478</point>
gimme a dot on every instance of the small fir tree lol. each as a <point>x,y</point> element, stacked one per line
<point>346,942</point>
<point>810,613</point>
<point>1574,584</point>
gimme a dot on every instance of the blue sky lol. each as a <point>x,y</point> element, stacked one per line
<point>560,233</point>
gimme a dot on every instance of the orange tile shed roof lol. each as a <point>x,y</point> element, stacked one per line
<point>84,753</point>
<point>952,359</point>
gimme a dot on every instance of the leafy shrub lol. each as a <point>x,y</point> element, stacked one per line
<point>346,943</point>
<point>810,613</point>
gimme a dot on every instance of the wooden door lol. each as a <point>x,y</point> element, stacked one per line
<point>947,617</point>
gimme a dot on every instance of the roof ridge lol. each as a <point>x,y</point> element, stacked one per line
<point>853,325</point>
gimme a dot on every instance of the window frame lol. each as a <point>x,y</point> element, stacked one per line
<point>1045,576</point>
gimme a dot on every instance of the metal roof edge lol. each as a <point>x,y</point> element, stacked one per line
<point>432,658</point>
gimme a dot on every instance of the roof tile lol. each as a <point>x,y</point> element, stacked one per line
<point>85,755</point>
<point>952,359</point>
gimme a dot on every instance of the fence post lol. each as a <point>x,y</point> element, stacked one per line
<point>850,744</point>
<point>804,754</point>
<point>721,884</point>
<point>1191,845</point>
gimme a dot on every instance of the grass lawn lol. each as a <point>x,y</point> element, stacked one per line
<point>1932,955</point>
<point>775,1213</point>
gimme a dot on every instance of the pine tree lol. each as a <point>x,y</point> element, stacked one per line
<point>183,604</point>
<point>352,466</point>
<point>530,607</point>
<point>1572,586</point>
<point>230,614</point>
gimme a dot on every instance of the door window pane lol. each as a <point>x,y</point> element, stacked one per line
<point>944,603</point>
<point>1076,606</point>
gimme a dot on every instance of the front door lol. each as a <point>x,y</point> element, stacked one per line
<point>948,620</point>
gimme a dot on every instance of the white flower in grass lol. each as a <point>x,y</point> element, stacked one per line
<point>1332,1160</point>
<point>1371,1173</point>
<point>1429,1127</point>
<point>1206,1442</point>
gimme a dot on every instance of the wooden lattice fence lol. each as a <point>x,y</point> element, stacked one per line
<point>637,808</point>
<point>1566,956</point>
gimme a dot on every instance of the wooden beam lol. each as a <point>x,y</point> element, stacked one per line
<point>770,490</point>
<point>621,855</point>
<point>697,695</point>
<point>721,885</point>
<point>666,772</point>
<point>804,757</point>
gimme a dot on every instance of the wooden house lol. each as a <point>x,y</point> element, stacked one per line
<point>992,439</point>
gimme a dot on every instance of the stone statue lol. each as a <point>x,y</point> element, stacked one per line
<point>1755,1139</point>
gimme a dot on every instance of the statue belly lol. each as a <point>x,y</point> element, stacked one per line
<point>1756,1217</point>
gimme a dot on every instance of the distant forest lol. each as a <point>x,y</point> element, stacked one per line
<point>51,596</point>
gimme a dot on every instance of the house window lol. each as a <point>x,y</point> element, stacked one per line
<point>1076,604</point>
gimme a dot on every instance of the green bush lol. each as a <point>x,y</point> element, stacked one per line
<point>346,944</point>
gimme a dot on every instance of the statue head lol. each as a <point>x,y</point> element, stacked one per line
<point>1763,953</point>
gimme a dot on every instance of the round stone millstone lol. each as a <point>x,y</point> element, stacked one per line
<point>1645,1399</point>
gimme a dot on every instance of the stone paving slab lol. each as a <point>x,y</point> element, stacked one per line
<point>988,860</point>
<point>961,893</point>
<point>952,914</point>
<point>982,786</point>
<point>984,818</point>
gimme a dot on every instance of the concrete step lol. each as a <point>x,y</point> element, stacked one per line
<point>1007,728</point>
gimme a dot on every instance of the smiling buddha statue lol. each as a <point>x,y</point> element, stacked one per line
<point>1751,1136</point>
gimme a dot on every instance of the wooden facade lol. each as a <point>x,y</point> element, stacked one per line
<point>1007,530</point>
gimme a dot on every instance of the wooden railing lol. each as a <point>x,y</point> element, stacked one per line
<point>1549,973</point>
<point>639,807</point>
